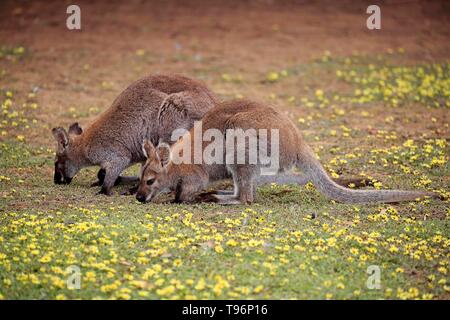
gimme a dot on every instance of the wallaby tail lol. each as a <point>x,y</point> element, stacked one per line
<point>309,164</point>
<point>302,179</point>
<point>283,178</point>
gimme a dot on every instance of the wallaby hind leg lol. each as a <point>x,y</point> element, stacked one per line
<point>229,197</point>
<point>244,178</point>
<point>225,192</point>
<point>226,199</point>
<point>244,189</point>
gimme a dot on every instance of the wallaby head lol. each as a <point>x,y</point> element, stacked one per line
<point>66,165</point>
<point>154,175</point>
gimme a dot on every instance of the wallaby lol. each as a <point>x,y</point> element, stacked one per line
<point>186,179</point>
<point>150,108</point>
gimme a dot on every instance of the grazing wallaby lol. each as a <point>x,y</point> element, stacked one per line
<point>187,178</point>
<point>150,108</point>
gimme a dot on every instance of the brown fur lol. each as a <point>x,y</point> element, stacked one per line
<point>189,179</point>
<point>150,108</point>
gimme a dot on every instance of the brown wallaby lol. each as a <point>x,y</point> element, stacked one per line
<point>187,178</point>
<point>150,108</point>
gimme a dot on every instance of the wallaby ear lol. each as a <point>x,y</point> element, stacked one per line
<point>75,129</point>
<point>163,152</point>
<point>148,148</point>
<point>61,137</point>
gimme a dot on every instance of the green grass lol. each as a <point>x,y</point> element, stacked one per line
<point>129,250</point>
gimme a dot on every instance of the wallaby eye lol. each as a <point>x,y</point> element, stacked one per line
<point>150,181</point>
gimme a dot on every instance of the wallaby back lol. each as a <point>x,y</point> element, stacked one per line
<point>135,113</point>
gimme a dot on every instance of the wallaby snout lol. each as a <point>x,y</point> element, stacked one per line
<point>141,197</point>
<point>144,194</point>
<point>59,177</point>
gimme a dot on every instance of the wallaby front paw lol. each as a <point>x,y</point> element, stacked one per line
<point>105,191</point>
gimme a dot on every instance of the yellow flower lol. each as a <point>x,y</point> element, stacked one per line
<point>340,285</point>
<point>90,276</point>
<point>272,76</point>
<point>159,282</point>
<point>377,185</point>
<point>45,259</point>
<point>258,289</point>
<point>177,262</point>
<point>201,284</point>
<point>393,249</point>
<point>140,52</point>
<point>331,242</point>
<point>399,270</point>
<point>427,296</point>
<point>220,285</point>
<point>231,243</point>
<point>165,291</point>
<point>442,270</point>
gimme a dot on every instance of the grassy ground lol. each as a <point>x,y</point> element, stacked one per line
<point>382,114</point>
